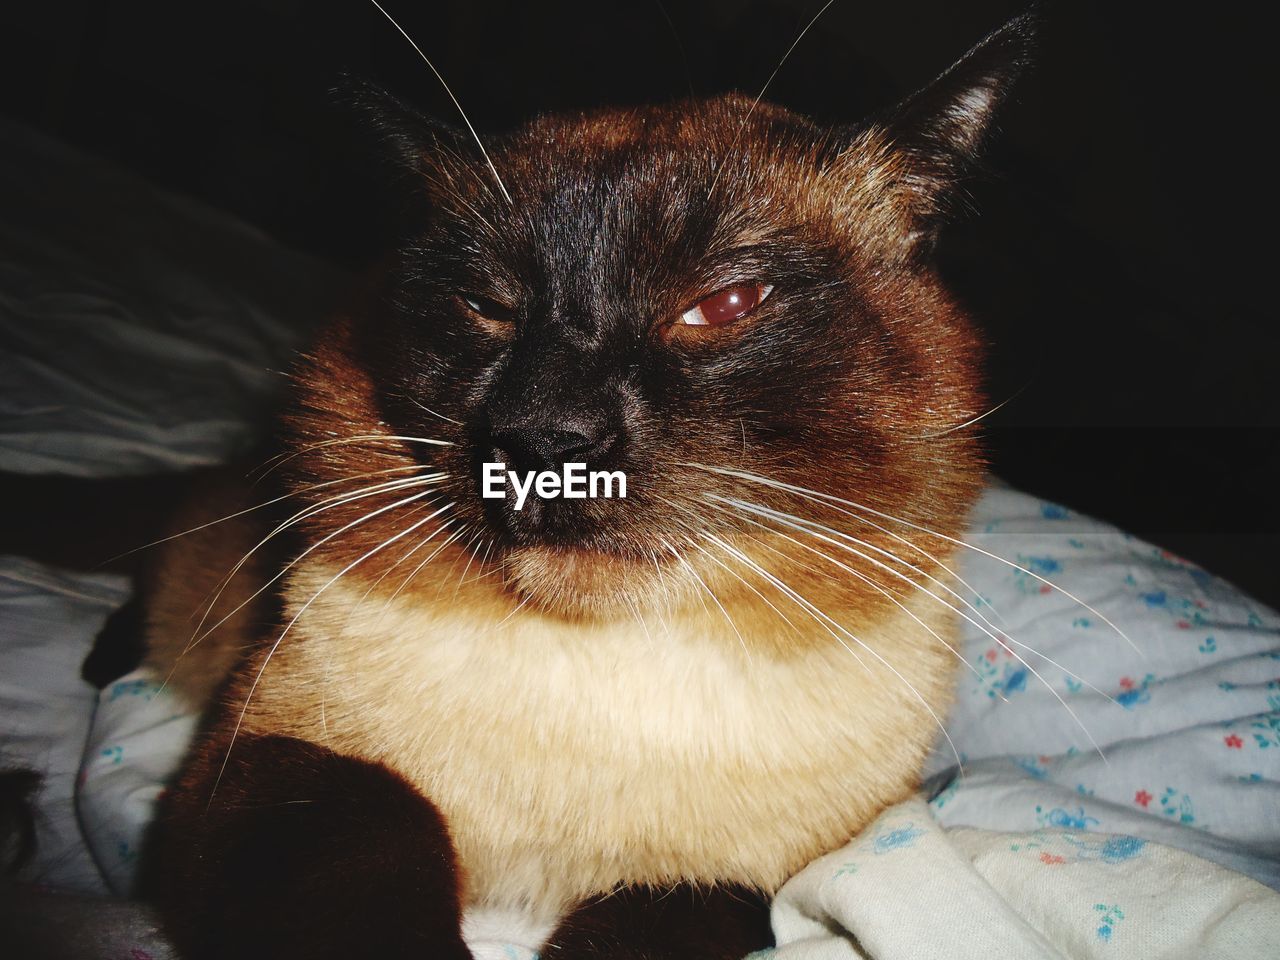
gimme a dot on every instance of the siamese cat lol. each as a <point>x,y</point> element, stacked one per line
<point>632,716</point>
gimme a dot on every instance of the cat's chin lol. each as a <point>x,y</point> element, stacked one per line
<point>585,583</point>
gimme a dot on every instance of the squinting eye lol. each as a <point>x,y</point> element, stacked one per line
<point>727,305</point>
<point>484,307</point>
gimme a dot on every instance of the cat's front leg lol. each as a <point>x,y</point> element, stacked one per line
<point>680,923</point>
<point>301,852</point>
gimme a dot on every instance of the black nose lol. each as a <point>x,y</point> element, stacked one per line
<point>537,446</point>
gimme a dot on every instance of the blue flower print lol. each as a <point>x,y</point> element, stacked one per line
<point>1111,917</point>
<point>1132,694</point>
<point>1109,850</point>
<point>895,839</point>
<point>1119,849</point>
<point>1177,806</point>
<point>1065,819</point>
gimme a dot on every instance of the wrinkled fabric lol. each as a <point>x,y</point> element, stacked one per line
<point>907,889</point>
<point>48,620</point>
<point>140,735</point>
<point>1163,723</point>
<point>140,331</point>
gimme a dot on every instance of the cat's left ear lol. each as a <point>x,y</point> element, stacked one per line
<point>926,145</point>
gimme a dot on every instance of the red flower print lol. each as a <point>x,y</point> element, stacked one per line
<point>1051,859</point>
<point>1142,798</point>
<point>1232,741</point>
<point>991,655</point>
<point>1183,625</point>
<point>1045,588</point>
<point>1126,683</point>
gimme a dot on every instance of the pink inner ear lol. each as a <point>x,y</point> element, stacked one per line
<point>730,304</point>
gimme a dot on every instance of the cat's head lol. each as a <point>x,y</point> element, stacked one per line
<point>728,304</point>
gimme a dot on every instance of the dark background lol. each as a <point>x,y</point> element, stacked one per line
<point>1116,255</point>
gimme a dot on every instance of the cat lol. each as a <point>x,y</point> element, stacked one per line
<point>633,717</point>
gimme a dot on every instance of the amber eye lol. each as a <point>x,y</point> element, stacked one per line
<point>727,305</point>
<point>484,307</point>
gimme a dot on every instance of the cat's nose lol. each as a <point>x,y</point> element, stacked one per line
<point>531,445</point>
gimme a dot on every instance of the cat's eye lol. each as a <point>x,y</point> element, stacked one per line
<point>727,305</point>
<point>487,308</point>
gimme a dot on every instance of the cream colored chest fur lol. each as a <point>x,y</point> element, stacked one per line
<point>570,758</point>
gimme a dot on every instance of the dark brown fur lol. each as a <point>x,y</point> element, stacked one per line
<point>640,923</point>
<point>332,857</point>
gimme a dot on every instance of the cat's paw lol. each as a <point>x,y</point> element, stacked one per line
<point>682,923</point>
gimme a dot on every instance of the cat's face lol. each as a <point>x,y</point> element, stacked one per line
<point>686,294</point>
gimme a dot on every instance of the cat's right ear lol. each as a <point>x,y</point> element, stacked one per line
<point>411,146</point>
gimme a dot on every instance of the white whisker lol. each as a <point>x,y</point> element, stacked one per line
<point>664,593</point>
<point>289,626</point>
<point>823,619</point>
<point>327,504</point>
<point>986,627</point>
<point>495,569</point>
<point>723,566</point>
<point>407,554</point>
<point>714,599</point>
<point>422,406</point>
<point>518,607</point>
<point>867,580</point>
<point>777,484</point>
<point>972,420</point>
<point>259,506</point>
<point>635,612</point>
<point>401,485</point>
<point>765,89</point>
<point>764,511</point>
<point>414,572</point>
<point>284,458</point>
<point>800,492</point>
<point>716,560</point>
<point>463,113</point>
<point>470,560</point>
